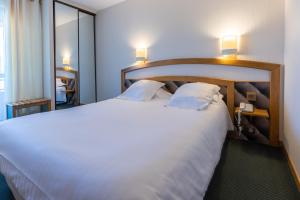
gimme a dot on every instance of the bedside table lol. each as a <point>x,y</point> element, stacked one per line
<point>256,113</point>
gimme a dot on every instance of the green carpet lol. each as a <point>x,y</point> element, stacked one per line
<point>246,171</point>
<point>5,193</point>
<point>249,171</point>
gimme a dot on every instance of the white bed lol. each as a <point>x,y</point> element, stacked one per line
<point>61,94</point>
<point>113,150</point>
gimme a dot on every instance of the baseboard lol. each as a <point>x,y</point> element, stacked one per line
<point>292,168</point>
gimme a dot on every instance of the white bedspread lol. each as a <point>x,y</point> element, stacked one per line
<point>113,150</point>
<point>61,94</point>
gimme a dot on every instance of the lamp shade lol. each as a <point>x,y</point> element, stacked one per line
<point>229,45</point>
<point>141,54</point>
<point>66,61</point>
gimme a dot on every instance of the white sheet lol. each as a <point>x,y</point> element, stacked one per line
<point>113,150</point>
<point>61,94</point>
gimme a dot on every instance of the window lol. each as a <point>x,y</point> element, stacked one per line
<point>2,45</point>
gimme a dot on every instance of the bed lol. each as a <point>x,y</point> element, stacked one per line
<point>117,149</point>
<point>113,155</point>
<point>61,93</point>
<point>66,86</point>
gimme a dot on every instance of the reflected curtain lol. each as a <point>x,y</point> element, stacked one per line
<point>23,65</point>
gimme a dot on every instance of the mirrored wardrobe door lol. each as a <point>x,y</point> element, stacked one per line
<point>66,56</point>
<point>87,72</point>
<point>75,66</point>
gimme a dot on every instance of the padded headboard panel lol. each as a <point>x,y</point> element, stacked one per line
<point>173,82</point>
<point>260,125</point>
<point>172,86</point>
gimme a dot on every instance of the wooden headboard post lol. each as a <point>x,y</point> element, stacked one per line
<point>274,70</point>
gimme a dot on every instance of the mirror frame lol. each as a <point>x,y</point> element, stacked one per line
<point>54,37</point>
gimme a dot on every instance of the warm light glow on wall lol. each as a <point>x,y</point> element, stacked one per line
<point>66,60</point>
<point>141,55</point>
<point>142,39</point>
<point>230,46</point>
<point>67,63</point>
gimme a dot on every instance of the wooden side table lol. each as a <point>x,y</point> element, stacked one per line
<point>256,113</point>
<point>12,108</point>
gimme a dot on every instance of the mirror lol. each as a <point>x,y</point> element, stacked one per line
<point>74,57</point>
<point>87,59</point>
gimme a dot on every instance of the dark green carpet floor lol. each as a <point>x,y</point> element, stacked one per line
<point>246,172</point>
<point>249,171</point>
<point>5,193</point>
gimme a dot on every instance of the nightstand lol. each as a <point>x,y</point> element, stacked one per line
<point>256,113</point>
<point>238,113</point>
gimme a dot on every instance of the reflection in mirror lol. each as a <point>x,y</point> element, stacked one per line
<point>87,59</point>
<point>74,57</point>
<point>66,39</point>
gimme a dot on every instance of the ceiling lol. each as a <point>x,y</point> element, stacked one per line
<point>64,14</point>
<point>98,4</point>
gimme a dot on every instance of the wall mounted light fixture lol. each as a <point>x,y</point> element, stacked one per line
<point>141,55</point>
<point>67,63</point>
<point>229,46</point>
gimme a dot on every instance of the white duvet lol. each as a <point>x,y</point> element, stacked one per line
<point>113,150</point>
<point>61,94</point>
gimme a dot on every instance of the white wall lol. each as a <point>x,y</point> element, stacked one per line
<point>184,28</point>
<point>66,37</point>
<point>292,82</point>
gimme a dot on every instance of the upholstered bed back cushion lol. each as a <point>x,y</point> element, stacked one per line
<point>172,86</point>
<point>262,90</point>
<point>259,124</point>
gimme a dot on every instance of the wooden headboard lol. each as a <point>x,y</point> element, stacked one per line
<point>229,85</point>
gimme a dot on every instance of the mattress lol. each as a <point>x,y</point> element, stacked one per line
<point>113,150</point>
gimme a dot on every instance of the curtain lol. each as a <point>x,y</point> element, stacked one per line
<point>23,63</point>
<point>2,57</point>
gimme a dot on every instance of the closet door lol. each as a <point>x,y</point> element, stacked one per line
<point>75,66</point>
<point>87,69</point>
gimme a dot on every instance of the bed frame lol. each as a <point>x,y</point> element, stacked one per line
<point>228,86</point>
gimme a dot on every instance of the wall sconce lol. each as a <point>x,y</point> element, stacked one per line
<point>229,46</point>
<point>67,63</point>
<point>141,55</point>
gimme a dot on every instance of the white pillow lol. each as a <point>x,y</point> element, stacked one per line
<point>189,102</point>
<point>59,82</point>
<point>143,90</point>
<point>199,90</point>
<point>218,97</point>
<point>162,94</point>
<point>194,96</point>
